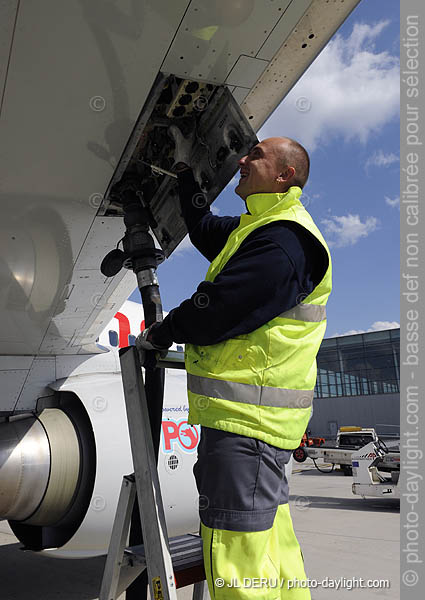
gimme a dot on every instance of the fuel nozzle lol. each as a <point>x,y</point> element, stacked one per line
<point>139,252</point>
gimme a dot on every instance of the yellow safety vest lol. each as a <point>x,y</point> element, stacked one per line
<point>261,384</point>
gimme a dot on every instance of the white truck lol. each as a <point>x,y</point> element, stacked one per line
<point>349,439</point>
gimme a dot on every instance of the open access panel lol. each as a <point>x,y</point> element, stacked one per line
<point>205,113</point>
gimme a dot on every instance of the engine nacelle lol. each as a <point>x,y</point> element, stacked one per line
<point>70,461</point>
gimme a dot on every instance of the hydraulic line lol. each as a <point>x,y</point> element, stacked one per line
<point>323,470</point>
<point>140,255</point>
<point>143,258</point>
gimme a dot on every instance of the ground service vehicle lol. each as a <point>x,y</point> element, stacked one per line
<point>369,479</point>
<point>349,439</point>
<point>300,453</point>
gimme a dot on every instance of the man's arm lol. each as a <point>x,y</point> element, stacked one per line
<point>273,270</point>
<point>207,232</point>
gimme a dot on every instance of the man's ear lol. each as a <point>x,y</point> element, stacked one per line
<point>287,174</point>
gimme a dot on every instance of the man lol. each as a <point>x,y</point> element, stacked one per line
<point>252,331</point>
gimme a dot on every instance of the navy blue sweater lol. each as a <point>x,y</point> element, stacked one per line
<point>274,268</point>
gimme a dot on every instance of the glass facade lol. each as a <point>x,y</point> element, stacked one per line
<point>359,365</point>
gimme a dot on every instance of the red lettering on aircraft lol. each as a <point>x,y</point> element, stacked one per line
<point>188,436</point>
<point>170,431</point>
<point>181,433</point>
<point>123,330</point>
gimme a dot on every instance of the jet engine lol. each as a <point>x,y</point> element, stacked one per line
<point>61,468</point>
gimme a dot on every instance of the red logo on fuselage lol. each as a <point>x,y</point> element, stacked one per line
<point>181,433</point>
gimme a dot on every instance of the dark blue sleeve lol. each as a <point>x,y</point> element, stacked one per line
<point>275,267</point>
<point>207,232</point>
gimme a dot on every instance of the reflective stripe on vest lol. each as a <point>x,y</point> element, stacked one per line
<point>248,384</point>
<point>249,394</point>
<point>312,313</point>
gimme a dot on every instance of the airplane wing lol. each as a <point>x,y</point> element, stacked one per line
<point>75,82</point>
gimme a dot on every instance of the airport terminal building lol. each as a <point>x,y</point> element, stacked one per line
<point>358,383</point>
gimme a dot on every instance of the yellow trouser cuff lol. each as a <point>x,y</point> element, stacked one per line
<point>266,565</point>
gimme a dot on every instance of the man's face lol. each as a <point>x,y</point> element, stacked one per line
<point>261,168</point>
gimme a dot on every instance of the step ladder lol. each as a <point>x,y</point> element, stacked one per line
<point>170,563</point>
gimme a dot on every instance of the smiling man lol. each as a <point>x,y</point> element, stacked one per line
<point>269,167</point>
<point>252,331</point>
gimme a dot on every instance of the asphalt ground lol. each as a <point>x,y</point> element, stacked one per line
<point>343,538</point>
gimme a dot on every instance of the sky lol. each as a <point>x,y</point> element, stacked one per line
<point>345,111</point>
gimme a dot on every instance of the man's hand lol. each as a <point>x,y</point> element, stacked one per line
<point>146,342</point>
<point>151,339</point>
<point>183,148</point>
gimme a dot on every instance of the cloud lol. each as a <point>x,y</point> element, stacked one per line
<point>309,199</point>
<point>395,202</point>
<point>376,326</point>
<point>362,32</point>
<point>380,325</point>
<point>184,246</point>
<point>215,210</point>
<point>380,159</point>
<point>350,91</point>
<point>347,230</point>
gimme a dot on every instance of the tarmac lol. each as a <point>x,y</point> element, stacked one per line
<point>344,539</point>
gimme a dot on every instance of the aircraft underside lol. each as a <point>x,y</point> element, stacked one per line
<point>89,90</point>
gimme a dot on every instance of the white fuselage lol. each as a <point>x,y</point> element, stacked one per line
<point>102,397</point>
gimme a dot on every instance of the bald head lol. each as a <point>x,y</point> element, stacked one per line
<point>272,166</point>
<point>291,154</point>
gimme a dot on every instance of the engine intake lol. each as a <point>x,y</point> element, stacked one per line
<point>39,467</point>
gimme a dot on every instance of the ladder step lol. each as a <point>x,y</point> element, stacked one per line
<point>185,550</point>
<point>173,563</point>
